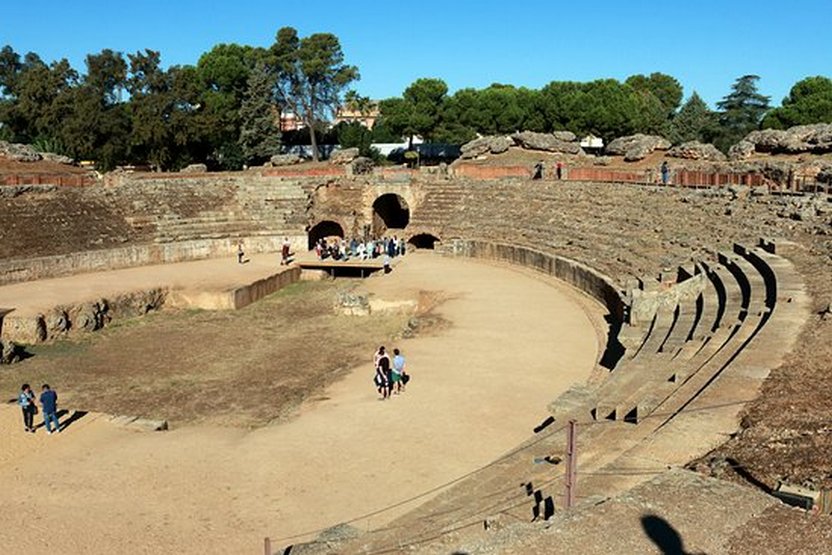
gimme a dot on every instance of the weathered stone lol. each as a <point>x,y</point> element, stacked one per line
<point>88,316</point>
<point>694,150</point>
<point>636,147</point>
<point>19,152</point>
<point>361,166</point>
<point>285,159</point>
<point>344,156</point>
<point>57,322</point>
<point>741,151</point>
<point>486,145</point>
<point>567,136</point>
<point>57,158</point>
<point>815,138</point>
<point>548,142</point>
<point>10,352</point>
<point>195,168</point>
<point>352,304</point>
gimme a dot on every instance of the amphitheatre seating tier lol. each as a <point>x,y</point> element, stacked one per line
<point>49,231</point>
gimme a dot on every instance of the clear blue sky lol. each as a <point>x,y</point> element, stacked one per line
<point>706,44</point>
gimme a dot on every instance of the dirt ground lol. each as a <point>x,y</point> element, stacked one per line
<point>244,368</point>
<point>203,488</point>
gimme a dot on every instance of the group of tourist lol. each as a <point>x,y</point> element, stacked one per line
<point>341,249</point>
<point>390,377</point>
<point>28,403</point>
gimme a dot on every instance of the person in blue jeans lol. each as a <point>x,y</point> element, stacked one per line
<point>49,403</point>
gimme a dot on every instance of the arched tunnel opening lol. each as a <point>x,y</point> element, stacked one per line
<point>324,229</point>
<point>423,241</point>
<point>390,211</point>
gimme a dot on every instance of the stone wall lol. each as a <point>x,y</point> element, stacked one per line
<point>90,316</point>
<point>582,277</point>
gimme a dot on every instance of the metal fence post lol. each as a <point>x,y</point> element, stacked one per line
<point>571,463</point>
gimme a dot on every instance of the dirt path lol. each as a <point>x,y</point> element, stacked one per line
<point>514,343</point>
<point>217,274</point>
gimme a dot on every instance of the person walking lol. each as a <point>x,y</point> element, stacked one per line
<point>240,253</point>
<point>49,404</point>
<point>26,402</point>
<point>537,171</point>
<point>559,170</point>
<point>665,173</point>
<point>398,373</point>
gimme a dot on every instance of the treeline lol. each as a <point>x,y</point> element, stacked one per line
<point>222,111</point>
<point>606,108</point>
<point>225,109</point>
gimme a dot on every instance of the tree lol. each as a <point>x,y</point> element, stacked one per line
<point>418,111</point>
<point>809,101</point>
<point>740,112</point>
<point>259,134</point>
<point>694,122</point>
<point>311,76</point>
<point>664,87</point>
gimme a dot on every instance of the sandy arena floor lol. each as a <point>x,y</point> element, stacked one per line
<point>515,342</point>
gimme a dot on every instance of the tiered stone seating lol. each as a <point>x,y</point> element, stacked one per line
<point>436,209</point>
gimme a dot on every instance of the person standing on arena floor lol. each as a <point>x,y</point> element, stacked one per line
<point>284,251</point>
<point>49,403</point>
<point>26,402</point>
<point>398,372</point>
<point>383,378</point>
<point>240,253</point>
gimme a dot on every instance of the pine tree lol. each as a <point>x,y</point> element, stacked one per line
<point>259,133</point>
<point>741,111</point>
<point>694,122</point>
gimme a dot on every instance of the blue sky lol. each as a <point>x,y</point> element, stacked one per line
<point>706,44</point>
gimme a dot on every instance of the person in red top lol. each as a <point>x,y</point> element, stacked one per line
<point>559,169</point>
<point>284,251</point>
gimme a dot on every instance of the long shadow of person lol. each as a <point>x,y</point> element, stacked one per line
<point>75,417</point>
<point>665,536</point>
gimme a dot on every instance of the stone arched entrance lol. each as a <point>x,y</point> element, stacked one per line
<point>323,229</point>
<point>390,211</point>
<point>423,241</point>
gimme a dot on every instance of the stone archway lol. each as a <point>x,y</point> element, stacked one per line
<point>390,211</point>
<point>323,229</point>
<point>423,241</point>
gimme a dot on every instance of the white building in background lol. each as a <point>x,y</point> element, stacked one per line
<point>591,142</point>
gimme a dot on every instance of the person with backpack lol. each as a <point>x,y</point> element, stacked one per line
<point>26,402</point>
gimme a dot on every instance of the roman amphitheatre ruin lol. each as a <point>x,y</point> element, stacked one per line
<point>216,407</point>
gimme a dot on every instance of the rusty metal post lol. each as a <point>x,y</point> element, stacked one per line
<point>571,462</point>
<point>267,546</point>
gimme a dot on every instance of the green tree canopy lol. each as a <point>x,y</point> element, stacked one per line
<point>311,76</point>
<point>259,134</point>
<point>809,101</point>
<point>694,122</point>
<point>664,87</point>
